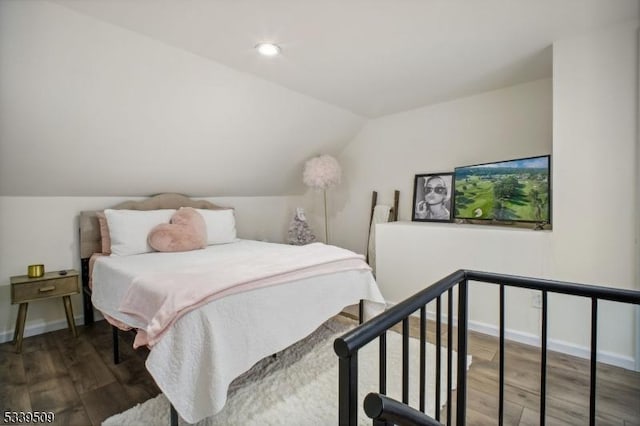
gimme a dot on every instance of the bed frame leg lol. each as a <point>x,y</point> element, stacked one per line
<point>87,306</point>
<point>116,351</point>
<point>361,312</point>
<point>174,416</point>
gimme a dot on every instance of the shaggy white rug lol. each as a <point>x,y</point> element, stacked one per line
<point>300,386</point>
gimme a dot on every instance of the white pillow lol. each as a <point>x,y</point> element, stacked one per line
<point>129,229</point>
<point>221,225</point>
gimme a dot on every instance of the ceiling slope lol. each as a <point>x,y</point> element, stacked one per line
<point>373,57</point>
<point>132,97</point>
<point>88,108</point>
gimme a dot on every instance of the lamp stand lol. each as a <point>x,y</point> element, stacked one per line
<point>326,227</point>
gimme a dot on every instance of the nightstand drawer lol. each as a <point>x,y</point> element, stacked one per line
<point>43,289</point>
<point>25,289</point>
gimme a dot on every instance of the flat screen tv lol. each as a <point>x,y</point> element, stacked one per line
<point>512,191</point>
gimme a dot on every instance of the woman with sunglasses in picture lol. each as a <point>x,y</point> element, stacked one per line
<point>435,197</point>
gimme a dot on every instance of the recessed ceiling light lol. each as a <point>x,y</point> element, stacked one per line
<point>268,49</point>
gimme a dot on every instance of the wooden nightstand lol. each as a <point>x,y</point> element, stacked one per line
<point>51,284</point>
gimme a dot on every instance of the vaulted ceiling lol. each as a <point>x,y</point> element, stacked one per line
<point>372,57</point>
<point>135,97</point>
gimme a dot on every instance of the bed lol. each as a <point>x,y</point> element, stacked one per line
<point>195,355</point>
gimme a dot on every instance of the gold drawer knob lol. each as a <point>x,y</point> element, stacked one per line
<point>47,288</point>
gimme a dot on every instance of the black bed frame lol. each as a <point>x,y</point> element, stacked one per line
<point>89,319</point>
<point>88,308</point>
<point>86,291</point>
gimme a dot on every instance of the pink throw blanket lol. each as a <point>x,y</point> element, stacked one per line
<point>160,299</point>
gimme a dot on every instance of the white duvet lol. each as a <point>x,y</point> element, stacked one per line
<point>204,350</point>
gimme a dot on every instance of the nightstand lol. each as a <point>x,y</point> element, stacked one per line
<point>50,285</point>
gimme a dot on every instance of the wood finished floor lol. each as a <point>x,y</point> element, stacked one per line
<point>567,401</point>
<point>77,379</point>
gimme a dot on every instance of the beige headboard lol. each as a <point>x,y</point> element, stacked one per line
<point>90,229</point>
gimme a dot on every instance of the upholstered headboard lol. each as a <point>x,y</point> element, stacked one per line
<point>90,228</point>
<point>90,242</point>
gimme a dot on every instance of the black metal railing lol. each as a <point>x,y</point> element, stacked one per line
<point>384,410</point>
<point>347,346</point>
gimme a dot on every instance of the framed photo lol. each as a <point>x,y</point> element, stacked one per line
<point>432,195</point>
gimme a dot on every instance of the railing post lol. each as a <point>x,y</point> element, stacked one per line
<point>405,360</point>
<point>438,354</point>
<point>348,390</point>
<point>461,401</point>
<point>593,361</point>
<point>543,360</point>
<point>449,351</point>
<point>501,366</point>
<point>423,358</point>
<point>383,363</point>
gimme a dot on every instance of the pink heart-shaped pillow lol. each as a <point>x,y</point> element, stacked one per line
<point>186,231</point>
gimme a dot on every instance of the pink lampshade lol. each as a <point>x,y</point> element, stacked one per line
<point>321,172</point>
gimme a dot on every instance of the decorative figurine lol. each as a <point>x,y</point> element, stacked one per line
<point>299,231</point>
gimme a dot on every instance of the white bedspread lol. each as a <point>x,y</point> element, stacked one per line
<point>204,350</point>
<point>159,299</point>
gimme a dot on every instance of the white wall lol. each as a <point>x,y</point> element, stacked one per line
<point>91,109</point>
<point>411,255</point>
<point>595,87</point>
<point>595,119</point>
<point>594,155</point>
<point>45,230</point>
<point>499,125</point>
<point>426,253</point>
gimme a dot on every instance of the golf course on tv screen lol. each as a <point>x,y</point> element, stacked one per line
<point>515,190</point>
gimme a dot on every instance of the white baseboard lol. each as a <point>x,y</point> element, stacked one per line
<point>40,328</point>
<point>556,345</point>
